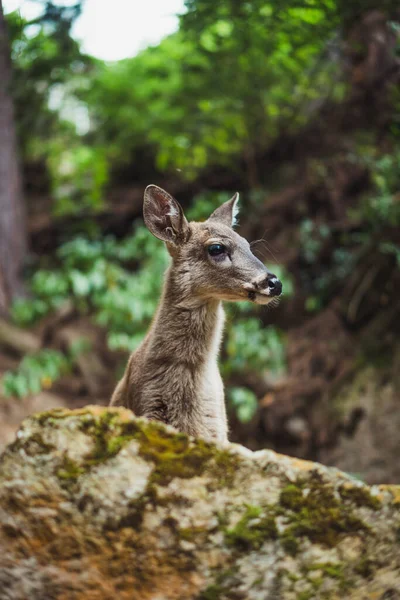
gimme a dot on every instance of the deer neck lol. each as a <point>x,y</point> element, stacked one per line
<point>185,328</point>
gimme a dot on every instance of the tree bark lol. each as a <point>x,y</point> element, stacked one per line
<point>13,237</point>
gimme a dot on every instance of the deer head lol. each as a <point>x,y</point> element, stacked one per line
<point>210,260</point>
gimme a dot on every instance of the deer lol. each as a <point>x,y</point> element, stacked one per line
<point>173,376</point>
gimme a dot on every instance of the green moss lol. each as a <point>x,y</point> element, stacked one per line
<point>109,433</point>
<point>334,571</point>
<point>289,543</point>
<point>32,445</point>
<point>360,496</point>
<point>51,415</point>
<point>292,496</point>
<point>292,576</point>
<point>364,567</point>
<point>223,520</point>
<point>212,592</point>
<point>70,470</point>
<point>254,528</point>
<point>316,582</point>
<point>220,589</point>
<point>398,535</point>
<point>306,595</point>
<point>313,511</point>
<point>191,534</point>
<point>224,468</point>
<point>173,454</point>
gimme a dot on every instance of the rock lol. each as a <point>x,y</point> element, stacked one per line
<point>97,504</point>
<point>369,410</point>
<point>13,411</point>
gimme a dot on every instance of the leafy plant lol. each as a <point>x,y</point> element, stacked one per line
<point>40,370</point>
<point>79,174</point>
<point>383,206</point>
<point>244,402</point>
<point>312,237</point>
<point>249,346</point>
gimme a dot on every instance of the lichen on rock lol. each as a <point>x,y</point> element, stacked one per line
<point>95,503</point>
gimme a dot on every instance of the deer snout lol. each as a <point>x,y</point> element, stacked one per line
<point>274,286</point>
<point>269,284</point>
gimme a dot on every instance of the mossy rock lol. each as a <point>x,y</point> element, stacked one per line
<point>148,512</point>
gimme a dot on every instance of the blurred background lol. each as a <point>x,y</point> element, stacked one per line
<point>295,104</point>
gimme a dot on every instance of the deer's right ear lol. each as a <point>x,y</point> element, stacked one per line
<point>163,216</point>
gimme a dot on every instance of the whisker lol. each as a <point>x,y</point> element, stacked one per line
<point>262,241</point>
<point>259,254</point>
<point>274,303</point>
<point>256,242</point>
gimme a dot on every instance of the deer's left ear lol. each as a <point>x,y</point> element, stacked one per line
<point>228,211</point>
<point>163,216</point>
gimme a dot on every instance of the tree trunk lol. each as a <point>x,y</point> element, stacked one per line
<point>13,238</point>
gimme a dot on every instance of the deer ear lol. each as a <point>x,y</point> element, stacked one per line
<point>227,212</point>
<point>163,216</point>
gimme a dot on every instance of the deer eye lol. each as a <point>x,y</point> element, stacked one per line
<point>216,249</point>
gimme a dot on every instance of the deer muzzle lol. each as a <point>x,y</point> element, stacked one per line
<point>264,289</point>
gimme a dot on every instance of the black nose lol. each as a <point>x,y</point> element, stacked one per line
<point>274,286</point>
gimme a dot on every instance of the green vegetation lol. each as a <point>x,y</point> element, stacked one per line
<point>252,530</point>
<point>224,584</point>
<point>313,510</point>
<point>214,98</point>
<point>40,370</point>
<point>360,496</point>
<point>70,470</point>
<point>244,402</point>
<point>172,454</point>
<point>209,68</point>
<point>183,110</point>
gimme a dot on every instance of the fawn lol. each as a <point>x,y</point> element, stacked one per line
<point>173,376</point>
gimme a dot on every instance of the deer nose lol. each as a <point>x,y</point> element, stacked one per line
<point>270,283</point>
<point>274,286</point>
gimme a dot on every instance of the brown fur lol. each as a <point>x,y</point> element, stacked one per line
<point>173,376</point>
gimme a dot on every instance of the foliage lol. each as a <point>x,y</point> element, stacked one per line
<point>48,71</point>
<point>214,91</point>
<point>183,86</point>
<point>38,371</point>
<point>185,104</point>
<point>44,56</point>
<point>93,275</point>
<point>205,203</point>
<point>312,237</point>
<point>331,256</point>
<point>244,402</point>
<point>79,174</point>
<point>382,207</point>
<point>218,93</point>
<point>250,344</point>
